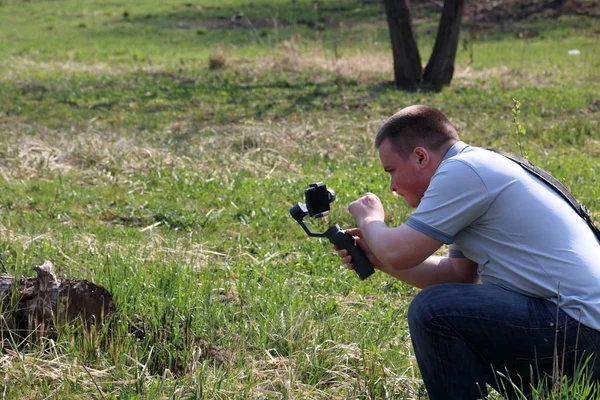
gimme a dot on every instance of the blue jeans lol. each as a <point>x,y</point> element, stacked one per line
<point>463,334</point>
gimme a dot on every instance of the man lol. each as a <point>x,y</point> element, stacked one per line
<point>537,311</point>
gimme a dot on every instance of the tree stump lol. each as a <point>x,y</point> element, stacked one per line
<point>37,305</point>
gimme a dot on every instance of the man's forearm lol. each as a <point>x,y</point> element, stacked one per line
<point>433,271</point>
<point>397,248</point>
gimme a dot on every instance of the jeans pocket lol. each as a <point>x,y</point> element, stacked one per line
<point>589,339</point>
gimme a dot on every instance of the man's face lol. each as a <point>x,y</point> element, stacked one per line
<point>408,176</point>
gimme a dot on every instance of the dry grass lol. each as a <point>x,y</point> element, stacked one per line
<point>217,60</point>
<point>256,146</point>
<point>278,374</point>
<point>260,147</point>
<point>27,156</point>
<point>50,365</point>
<point>287,56</point>
<point>12,68</point>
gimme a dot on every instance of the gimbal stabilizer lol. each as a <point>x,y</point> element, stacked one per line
<point>318,198</point>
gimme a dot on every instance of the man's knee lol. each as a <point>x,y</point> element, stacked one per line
<point>434,304</point>
<point>423,307</point>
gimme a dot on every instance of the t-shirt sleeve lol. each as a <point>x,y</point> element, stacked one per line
<point>455,198</point>
<point>455,252</point>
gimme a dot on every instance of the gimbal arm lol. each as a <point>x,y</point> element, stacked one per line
<point>339,238</point>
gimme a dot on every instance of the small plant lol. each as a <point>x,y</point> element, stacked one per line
<point>217,60</point>
<point>519,129</point>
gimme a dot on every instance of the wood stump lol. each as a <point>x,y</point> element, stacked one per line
<point>37,305</point>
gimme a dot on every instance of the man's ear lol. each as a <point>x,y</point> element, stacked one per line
<point>422,156</point>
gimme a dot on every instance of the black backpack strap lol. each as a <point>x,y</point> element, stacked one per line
<point>558,187</point>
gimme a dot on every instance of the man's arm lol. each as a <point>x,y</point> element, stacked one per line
<point>398,248</point>
<point>431,271</point>
<point>436,270</point>
<point>404,252</point>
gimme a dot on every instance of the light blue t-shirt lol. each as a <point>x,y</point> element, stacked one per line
<point>522,234</point>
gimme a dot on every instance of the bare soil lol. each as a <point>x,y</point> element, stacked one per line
<point>515,10</point>
<point>484,13</point>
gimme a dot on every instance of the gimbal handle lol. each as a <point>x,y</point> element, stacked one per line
<point>343,240</point>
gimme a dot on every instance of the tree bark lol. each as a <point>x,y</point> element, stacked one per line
<point>440,68</point>
<point>35,306</point>
<point>407,61</point>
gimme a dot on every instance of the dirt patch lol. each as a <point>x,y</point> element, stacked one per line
<point>514,10</point>
<point>582,7</point>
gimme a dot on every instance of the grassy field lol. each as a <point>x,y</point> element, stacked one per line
<point>127,161</point>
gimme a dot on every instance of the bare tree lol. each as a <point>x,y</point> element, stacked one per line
<point>407,61</point>
<point>438,73</point>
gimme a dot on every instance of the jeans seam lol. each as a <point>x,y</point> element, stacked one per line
<point>488,320</point>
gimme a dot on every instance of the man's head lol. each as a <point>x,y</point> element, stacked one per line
<point>417,126</point>
<point>412,144</point>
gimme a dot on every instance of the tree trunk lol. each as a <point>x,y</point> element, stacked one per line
<point>440,68</point>
<point>407,61</point>
<point>37,305</point>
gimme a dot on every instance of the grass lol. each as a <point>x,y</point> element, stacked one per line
<point>127,161</point>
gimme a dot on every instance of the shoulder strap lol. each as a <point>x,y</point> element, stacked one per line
<point>558,187</point>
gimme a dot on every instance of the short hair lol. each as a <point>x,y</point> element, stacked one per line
<point>416,126</point>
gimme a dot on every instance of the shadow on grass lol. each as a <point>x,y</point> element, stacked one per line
<point>260,14</point>
<point>224,96</point>
<point>254,22</point>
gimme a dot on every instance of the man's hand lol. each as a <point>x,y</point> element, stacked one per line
<point>345,256</point>
<point>368,207</point>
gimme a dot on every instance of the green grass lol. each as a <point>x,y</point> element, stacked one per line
<point>127,162</point>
